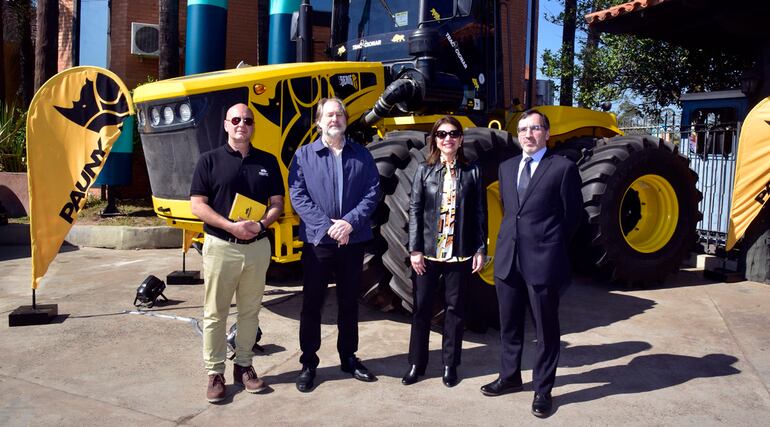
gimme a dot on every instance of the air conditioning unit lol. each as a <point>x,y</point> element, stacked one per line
<point>145,39</point>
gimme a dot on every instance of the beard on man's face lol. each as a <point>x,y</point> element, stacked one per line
<point>333,132</point>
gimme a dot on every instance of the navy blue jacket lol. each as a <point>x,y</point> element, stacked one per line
<point>313,190</point>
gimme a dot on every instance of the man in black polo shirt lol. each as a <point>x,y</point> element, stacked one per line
<point>235,256</point>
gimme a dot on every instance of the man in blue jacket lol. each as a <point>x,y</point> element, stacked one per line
<point>333,186</point>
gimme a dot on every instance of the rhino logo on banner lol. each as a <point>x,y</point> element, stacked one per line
<point>100,104</point>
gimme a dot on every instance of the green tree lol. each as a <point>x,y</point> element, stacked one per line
<point>612,66</point>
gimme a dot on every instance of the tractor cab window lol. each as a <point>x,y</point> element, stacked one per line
<point>359,19</point>
<point>713,131</point>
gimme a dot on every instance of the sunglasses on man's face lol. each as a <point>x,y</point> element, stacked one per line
<point>442,134</point>
<point>247,121</point>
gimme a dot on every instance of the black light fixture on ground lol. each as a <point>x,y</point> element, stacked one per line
<point>149,291</point>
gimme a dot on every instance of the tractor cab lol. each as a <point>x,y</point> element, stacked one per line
<point>450,48</point>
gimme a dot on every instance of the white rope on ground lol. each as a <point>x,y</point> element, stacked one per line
<point>191,320</point>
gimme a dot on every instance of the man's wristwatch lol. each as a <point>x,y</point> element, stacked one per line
<point>262,226</point>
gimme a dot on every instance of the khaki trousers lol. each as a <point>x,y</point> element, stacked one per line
<point>232,269</point>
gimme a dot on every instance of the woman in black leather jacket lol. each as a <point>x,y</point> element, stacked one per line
<point>447,237</point>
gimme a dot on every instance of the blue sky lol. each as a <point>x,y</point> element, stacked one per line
<point>93,32</point>
<point>549,35</point>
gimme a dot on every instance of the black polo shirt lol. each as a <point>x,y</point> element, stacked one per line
<point>223,172</point>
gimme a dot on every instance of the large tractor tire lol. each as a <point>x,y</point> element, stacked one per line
<point>397,157</point>
<point>391,154</point>
<point>641,204</point>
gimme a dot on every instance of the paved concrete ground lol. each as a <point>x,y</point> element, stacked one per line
<point>693,352</point>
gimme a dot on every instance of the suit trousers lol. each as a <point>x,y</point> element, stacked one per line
<point>232,268</point>
<point>514,295</point>
<point>424,289</point>
<point>318,263</point>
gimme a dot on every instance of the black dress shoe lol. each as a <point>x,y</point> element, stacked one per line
<point>305,379</point>
<point>500,386</point>
<point>412,375</point>
<point>541,406</point>
<point>353,365</point>
<point>450,376</point>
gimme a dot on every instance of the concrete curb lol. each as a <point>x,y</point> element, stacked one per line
<point>98,236</point>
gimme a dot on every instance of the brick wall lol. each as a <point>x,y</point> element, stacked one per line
<point>66,8</point>
<point>133,69</point>
<point>513,20</point>
<point>241,33</point>
<point>321,37</point>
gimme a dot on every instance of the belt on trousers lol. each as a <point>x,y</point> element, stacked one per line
<point>241,241</point>
<point>259,236</point>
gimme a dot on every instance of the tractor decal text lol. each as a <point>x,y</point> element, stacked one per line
<point>366,43</point>
<point>456,47</point>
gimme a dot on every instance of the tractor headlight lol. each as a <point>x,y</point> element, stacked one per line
<point>185,112</point>
<point>168,115</point>
<point>140,118</point>
<point>155,115</point>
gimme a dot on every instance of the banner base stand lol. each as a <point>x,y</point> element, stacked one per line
<point>184,277</point>
<point>39,314</point>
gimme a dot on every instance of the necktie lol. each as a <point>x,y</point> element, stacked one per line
<point>525,177</point>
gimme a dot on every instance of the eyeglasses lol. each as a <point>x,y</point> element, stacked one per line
<point>442,134</point>
<point>533,128</point>
<point>247,121</point>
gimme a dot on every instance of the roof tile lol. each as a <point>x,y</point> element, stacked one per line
<point>621,9</point>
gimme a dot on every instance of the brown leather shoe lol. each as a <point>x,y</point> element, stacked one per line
<point>248,379</point>
<point>216,389</point>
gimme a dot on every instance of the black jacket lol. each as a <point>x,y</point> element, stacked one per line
<point>538,225</point>
<point>424,207</point>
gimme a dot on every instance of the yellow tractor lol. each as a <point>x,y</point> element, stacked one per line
<point>398,66</point>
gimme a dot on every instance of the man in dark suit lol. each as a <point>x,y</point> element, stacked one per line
<point>542,208</point>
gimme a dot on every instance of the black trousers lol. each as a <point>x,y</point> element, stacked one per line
<point>424,288</point>
<point>513,295</point>
<point>318,263</point>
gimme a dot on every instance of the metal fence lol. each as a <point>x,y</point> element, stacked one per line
<point>711,149</point>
